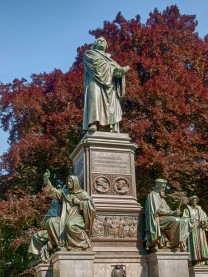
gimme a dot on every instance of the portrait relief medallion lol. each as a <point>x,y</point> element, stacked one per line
<point>121,185</point>
<point>102,184</point>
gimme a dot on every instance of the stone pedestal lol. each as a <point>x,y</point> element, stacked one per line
<point>198,271</point>
<point>163,264</point>
<point>104,164</point>
<point>44,270</point>
<point>74,264</point>
<point>107,258</point>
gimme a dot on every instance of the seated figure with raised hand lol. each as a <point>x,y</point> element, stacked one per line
<point>73,228</point>
<point>164,227</point>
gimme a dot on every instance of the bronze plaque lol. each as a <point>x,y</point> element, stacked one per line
<point>110,162</point>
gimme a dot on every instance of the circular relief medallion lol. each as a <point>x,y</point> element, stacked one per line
<point>121,185</point>
<point>118,271</point>
<point>102,184</point>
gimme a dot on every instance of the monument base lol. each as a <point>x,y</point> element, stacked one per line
<point>163,264</point>
<point>198,271</point>
<point>44,270</point>
<point>105,261</point>
<point>76,264</point>
<point>109,258</point>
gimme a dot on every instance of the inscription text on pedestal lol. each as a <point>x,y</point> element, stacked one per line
<point>111,162</point>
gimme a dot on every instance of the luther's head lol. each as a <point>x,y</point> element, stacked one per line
<point>100,44</point>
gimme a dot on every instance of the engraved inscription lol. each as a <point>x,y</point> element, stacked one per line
<point>111,162</point>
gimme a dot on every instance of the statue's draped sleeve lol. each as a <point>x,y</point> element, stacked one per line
<point>88,209</point>
<point>99,66</point>
<point>53,192</point>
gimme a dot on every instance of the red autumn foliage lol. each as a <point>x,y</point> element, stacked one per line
<point>165,108</point>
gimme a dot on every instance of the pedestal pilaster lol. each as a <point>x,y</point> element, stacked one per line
<point>163,264</point>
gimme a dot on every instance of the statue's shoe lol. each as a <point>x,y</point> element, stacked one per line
<point>92,128</point>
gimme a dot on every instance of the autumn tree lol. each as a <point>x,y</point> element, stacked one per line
<point>167,97</point>
<point>20,217</point>
<point>165,108</point>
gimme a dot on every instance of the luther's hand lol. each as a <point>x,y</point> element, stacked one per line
<point>118,72</point>
<point>126,68</point>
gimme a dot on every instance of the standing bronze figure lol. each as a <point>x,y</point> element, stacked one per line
<point>104,85</point>
<point>197,241</point>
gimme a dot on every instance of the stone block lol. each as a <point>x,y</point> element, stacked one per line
<point>171,264</point>
<point>129,258</point>
<point>198,271</point>
<point>44,270</point>
<point>74,264</point>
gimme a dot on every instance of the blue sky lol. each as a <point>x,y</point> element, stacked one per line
<point>40,35</point>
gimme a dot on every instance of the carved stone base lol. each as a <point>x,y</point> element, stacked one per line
<point>163,264</point>
<point>44,270</point>
<point>198,271</point>
<point>104,164</point>
<point>107,259</point>
<point>76,264</point>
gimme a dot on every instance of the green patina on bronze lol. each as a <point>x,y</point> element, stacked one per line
<point>197,241</point>
<point>164,227</point>
<point>39,244</point>
<point>68,223</point>
<point>104,82</point>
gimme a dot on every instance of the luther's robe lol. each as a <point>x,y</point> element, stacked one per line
<point>102,90</point>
